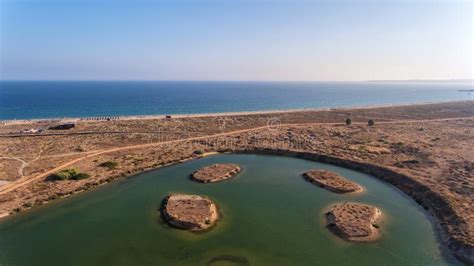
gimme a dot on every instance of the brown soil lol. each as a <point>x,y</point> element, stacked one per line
<point>215,173</point>
<point>190,212</point>
<point>423,150</point>
<point>354,221</point>
<point>331,181</point>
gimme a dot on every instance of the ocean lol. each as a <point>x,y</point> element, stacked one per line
<point>58,99</point>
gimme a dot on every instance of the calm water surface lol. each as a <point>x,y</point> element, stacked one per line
<point>271,216</point>
<point>48,99</point>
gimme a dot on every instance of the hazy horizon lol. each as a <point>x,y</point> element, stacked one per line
<point>340,41</point>
<point>216,80</point>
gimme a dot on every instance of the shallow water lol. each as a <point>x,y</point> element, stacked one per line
<point>270,216</point>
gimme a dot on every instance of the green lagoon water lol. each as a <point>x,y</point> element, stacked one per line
<point>270,216</point>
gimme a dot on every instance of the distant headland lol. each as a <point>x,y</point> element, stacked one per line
<point>463,81</point>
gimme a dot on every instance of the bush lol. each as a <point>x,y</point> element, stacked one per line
<point>68,174</point>
<point>80,176</point>
<point>63,174</point>
<point>199,152</point>
<point>371,122</point>
<point>80,149</point>
<point>109,165</point>
<point>348,121</point>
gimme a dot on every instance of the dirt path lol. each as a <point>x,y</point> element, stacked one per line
<point>22,166</point>
<point>24,163</point>
<point>24,181</point>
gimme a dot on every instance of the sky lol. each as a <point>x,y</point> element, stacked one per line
<point>236,40</point>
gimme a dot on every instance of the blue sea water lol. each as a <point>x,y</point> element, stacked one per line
<point>55,99</point>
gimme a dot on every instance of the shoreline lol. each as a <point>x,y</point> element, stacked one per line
<point>217,114</point>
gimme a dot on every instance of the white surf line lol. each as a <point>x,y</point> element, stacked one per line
<point>235,113</point>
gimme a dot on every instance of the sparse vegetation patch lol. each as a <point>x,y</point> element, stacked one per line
<point>68,174</point>
<point>348,121</point>
<point>199,152</point>
<point>109,165</point>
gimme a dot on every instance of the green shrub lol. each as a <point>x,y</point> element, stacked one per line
<point>371,122</point>
<point>63,174</point>
<point>348,121</point>
<point>199,152</point>
<point>68,174</point>
<point>109,165</point>
<point>80,176</point>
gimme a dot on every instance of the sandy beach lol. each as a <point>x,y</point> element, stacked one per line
<point>198,115</point>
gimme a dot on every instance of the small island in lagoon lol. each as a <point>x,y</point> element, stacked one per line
<point>215,173</point>
<point>190,212</point>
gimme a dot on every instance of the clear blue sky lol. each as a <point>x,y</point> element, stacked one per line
<point>236,40</point>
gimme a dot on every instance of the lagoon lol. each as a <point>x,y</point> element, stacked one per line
<point>270,216</point>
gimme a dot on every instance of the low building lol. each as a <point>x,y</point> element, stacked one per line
<point>64,126</point>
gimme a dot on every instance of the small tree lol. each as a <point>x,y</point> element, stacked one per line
<point>348,121</point>
<point>371,122</point>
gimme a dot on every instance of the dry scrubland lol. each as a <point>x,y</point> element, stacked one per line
<point>424,150</point>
